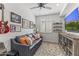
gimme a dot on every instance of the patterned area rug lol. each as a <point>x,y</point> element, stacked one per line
<point>49,49</point>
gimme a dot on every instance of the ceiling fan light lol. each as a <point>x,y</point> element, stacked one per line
<point>57,4</point>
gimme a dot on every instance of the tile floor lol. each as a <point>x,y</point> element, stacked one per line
<point>49,49</point>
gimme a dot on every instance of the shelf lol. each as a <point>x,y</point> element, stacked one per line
<point>57,23</point>
<point>57,27</point>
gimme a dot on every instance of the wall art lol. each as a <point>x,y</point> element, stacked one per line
<point>15,18</point>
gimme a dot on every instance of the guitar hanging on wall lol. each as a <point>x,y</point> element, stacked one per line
<point>4,28</point>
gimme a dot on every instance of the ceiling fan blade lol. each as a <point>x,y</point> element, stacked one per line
<point>45,3</point>
<point>48,7</point>
<point>42,3</point>
<point>34,7</point>
<point>38,3</point>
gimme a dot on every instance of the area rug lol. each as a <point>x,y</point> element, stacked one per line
<point>49,49</point>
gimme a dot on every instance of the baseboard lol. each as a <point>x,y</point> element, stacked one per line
<point>51,42</point>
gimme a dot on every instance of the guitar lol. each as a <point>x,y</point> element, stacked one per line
<point>4,28</point>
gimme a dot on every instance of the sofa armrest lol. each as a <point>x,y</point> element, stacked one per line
<point>22,49</point>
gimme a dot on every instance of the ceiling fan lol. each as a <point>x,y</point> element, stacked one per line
<point>41,5</point>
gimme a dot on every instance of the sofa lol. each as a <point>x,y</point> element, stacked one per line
<point>26,50</point>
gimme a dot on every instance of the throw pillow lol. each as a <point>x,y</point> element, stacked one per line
<point>37,35</point>
<point>30,35</point>
<point>33,39</point>
<point>29,41</point>
<point>23,40</point>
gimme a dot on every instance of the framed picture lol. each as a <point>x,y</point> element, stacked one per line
<point>25,23</point>
<point>15,28</point>
<point>12,28</point>
<point>15,18</point>
<point>18,28</point>
<point>28,24</point>
<point>31,24</point>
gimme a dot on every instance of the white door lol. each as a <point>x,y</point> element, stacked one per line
<point>48,27</point>
<point>42,26</point>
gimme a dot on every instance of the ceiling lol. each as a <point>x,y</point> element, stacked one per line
<point>56,8</point>
<point>69,8</point>
<point>62,8</point>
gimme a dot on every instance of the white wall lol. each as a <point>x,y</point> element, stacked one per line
<point>51,37</point>
<point>26,12</point>
<point>18,10</point>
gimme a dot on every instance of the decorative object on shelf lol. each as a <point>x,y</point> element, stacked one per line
<point>57,27</point>
<point>15,28</point>
<point>25,23</point>
<point>15,18</point>
<point>4,28</point>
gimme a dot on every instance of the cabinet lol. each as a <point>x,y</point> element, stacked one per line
<point>69,44</point>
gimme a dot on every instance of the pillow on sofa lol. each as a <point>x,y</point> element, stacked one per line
<point>26,40</point>
<point>33,35</point>
<point>37,35</point>
<point>29,41</point>
<point>23,40</point>
<point>33,39</point>
<point>30,35</point>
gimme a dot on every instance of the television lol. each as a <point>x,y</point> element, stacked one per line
<point>72,21</point>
